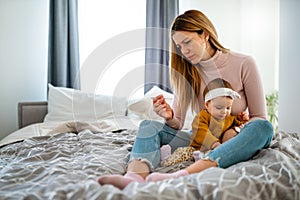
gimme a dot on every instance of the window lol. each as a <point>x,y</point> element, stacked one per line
<point>111,42</point>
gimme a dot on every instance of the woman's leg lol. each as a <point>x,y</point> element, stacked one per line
<point>136,171</point>
<point>253,137</point>
<point>151,136</point>
<point>145,154</point>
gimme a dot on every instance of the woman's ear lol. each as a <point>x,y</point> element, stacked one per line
<point>206,35</point>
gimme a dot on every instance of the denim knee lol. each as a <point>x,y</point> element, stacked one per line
<point>254,136</point>
<point>266,131</point>
<point>149,128</point>
<point>147,142</point>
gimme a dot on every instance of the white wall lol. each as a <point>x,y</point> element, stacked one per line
<point>23,57</point>
<point>289,71</point>
<point>246,26</point>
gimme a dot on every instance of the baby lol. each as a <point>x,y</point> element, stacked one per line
<point>211,126</point>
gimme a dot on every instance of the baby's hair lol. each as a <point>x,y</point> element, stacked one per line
<point>216,83</point>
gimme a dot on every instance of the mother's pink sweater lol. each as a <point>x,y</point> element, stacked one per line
<point>243,75</point>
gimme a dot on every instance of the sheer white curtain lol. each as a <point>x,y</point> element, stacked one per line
<point>112,41</point>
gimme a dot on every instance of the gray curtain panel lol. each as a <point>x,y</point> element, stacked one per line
<point>63,56</point>
<point>159,16</point>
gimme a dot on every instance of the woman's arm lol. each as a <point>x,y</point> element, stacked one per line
<point>253,89</point>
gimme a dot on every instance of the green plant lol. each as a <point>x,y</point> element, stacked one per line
<point>272,108</point>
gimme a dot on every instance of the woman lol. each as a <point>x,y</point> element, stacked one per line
<point>197,57</point>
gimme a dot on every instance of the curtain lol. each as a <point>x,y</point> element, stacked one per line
<point>159,16</point>
<point>63,56</point>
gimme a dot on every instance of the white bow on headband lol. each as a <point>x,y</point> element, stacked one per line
<point>219,92</point>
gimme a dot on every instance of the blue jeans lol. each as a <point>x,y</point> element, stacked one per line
<point>152,135</point>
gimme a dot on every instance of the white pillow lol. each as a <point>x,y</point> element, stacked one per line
<point>143,108</point>
<point>65,104</point>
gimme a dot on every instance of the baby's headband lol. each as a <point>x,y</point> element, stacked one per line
<point>219,92</point>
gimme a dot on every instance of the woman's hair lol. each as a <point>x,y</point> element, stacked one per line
<point>185,78</point>
<point>216,83</point>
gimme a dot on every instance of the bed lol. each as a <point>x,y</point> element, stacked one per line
<point>65,144</point>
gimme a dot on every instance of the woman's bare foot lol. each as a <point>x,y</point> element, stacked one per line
<point>120,181</point>
<point>137,170</point>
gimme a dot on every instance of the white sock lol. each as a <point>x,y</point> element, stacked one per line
<point>165,152</point>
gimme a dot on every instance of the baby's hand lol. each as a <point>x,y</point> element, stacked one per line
<point>243,116</point>
<point>230,133</point>
<point>215,145</point>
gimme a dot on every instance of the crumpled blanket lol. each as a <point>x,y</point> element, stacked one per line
<point>55,127</point>
<point>67,165</point>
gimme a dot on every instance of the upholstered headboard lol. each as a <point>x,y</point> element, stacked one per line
<point>31,112</point>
